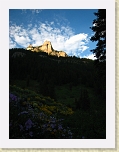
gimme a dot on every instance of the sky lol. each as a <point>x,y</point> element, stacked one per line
<point>68,30</point>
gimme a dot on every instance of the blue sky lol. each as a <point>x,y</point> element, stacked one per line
<point>67,29</point>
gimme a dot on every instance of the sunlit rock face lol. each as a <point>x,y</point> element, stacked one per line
<point>30,47</point>
<point>62,53</point>
<point>47,47</point>
<point>59,53</point>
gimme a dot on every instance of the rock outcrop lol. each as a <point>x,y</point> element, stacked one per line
<point>47,47</point>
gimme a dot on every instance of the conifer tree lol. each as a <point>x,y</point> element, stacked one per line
<point>99,29</point>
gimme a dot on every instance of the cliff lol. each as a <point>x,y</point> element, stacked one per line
<point>47,47</point>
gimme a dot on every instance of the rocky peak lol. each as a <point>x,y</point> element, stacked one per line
<point>47,47</point>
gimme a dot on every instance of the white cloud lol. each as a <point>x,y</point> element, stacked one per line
<point>36,11</point>
<point>95,24</point>
<point>32,10</point>
<point>12,44</point>
<point>22,40</point>
<point>89,56</point>
<point>23,11</point>
<point>77,42</point>
<point>62,38</point>
<point>19,35</point>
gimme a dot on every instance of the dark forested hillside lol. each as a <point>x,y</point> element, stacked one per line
<point>41,67</point>
<point>67,89</point>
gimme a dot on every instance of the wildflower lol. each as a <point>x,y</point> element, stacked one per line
<point>49,129</point>
<point>44,126</point>
<point>41,114</point>
<point>31,133</point>
<point>28,99</point>
<point>23,112</point>
<point>69,132</point>
<point>53,126</point>
<point>33,115</point>
<point>21,127</point>
<point>28,124</point>
<point>60,127</point>
<point>24,104</point>
<point>13,97</point>
<point>52,119</point>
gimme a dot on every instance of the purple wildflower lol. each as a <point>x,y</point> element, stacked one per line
<point>23,112</point>
<point>60,127</point>
<point>28,124</point>
<point>69,132</point>
<point>44,125</point>
<point>52,119</point>
<point>31,133</point>
<point>13,97</point>
<point>53,126</point>
<point>21,127</point>
<point>41,114</point>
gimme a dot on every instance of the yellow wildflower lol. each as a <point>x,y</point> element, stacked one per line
<point>28,99</point>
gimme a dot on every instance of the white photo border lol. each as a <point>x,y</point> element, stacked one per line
<point>109,142</point>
